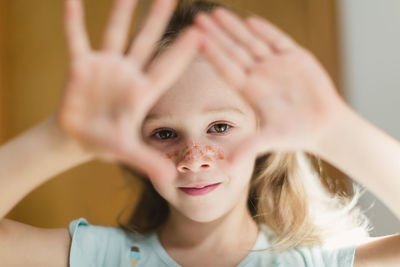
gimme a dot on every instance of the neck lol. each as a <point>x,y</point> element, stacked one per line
<point>236,228</point>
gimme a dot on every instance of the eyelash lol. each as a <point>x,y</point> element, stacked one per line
<point>228,126</point>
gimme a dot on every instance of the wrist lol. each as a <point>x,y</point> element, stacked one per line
<point>337,128</point>
<point>62,140</point>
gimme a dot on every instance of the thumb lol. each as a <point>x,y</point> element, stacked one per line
<point>150,161</point>
<point>247,148</point>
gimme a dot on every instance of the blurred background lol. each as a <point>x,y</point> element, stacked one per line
<point>355,40</point>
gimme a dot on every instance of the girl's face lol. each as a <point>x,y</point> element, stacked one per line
<point>194,124</point>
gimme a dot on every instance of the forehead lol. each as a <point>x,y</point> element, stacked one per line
<point>198,88</point>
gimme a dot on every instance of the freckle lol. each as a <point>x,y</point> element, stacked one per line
<point>220,154</point>
<point>196,146</point>
<point>201,153</point>
<point>187,153</point>
<point>169,156</point>
<point>209,148</point>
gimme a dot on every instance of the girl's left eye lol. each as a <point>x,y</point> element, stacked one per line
<point>165,134</point>
<point>223,126</point>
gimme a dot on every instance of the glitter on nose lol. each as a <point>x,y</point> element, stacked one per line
<point>220,154</point>
<point>190,152</point>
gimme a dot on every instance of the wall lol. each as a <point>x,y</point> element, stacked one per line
<point>2,70</point>
<point>370,33</point>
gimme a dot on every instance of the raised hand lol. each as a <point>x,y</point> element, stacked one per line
<point>108,93</point>
<point>292,94</point>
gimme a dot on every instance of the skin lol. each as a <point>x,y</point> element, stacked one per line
<point>197,143</point>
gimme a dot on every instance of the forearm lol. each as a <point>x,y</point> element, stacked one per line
<point>366,154</point>
<point>32,158</point>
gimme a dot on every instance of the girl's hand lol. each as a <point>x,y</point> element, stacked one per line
<point>108,93</point>
<point>291,93</point>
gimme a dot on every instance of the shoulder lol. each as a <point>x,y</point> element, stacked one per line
<point>95,245</point>
<point>81,228</point>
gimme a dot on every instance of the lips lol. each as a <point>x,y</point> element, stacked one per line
<point>199,189</point>
<point>197,185</point>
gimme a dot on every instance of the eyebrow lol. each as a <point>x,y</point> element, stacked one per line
<point>207,111</point>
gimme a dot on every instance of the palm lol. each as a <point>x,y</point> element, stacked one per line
<point>291,93</point>
<point>98,95</point>
<point>108,93</point>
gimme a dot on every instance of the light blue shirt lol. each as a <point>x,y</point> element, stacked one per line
<point>107,246</point>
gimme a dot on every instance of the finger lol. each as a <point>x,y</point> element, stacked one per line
<point>219,36</point>
<point>117,139</point>
<point>118,25</point>
<point>227,68</point>
<point>154,26</point>
<point>77,39</point>
<point>252,147</point>
<point>170,64</point>
<point>233,25</point>
<point>270,34</point>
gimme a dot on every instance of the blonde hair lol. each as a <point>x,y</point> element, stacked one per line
<point>288,191</point>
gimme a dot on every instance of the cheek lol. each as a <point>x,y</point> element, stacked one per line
<point>162,187</point>
<point>218,152</point>
<point>241,172</point>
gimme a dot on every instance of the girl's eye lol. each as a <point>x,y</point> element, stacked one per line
<point>221,127</point>
<point>163,134</point>
<point>167,134</point>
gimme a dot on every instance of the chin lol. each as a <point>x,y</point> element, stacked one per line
<point>203,217</point>
<point>203,214</point>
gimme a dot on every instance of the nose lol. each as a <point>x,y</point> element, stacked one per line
<point>194,160</point>
<point>192,166</point>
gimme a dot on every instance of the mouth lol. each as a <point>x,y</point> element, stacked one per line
<point>199,189</point>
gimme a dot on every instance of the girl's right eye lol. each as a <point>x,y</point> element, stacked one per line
<point>163,134</point>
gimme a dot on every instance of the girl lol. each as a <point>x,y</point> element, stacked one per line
<point>220,139</point>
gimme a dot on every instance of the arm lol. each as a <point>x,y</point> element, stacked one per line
<point>372,158</point>
<point>32,158</point>
<point>381,251</point>
<point>27,161</point>
<point>365,153</point>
